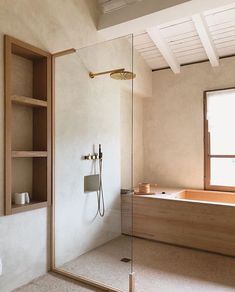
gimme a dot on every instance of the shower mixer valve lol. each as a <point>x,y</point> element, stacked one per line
<point>94,156</point>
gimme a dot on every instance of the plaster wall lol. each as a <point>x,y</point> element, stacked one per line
<point>173,123</point>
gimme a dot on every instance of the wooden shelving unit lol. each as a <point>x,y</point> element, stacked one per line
<point>31,154</point>
<point>31,206</point>
<point>27,92</point>
<point>27,101</point>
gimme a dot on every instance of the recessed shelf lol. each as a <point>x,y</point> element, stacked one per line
<point>27,207</point>
<point>28,101</point>
<point>27,125</point>
<point>25,154</point>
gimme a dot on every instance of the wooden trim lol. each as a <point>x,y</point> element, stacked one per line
<point>182,65</point>
<point>132,282</point>
<point>163,46</point>
<point>161,69</point>
<point>49,130</point>
<point>33,52</point>
<point>65,52</point>
<point>193,63</point>
<point>85,280</point>
<point>207,154</point>
<point>29,207</point>
<point>7,81</point>
<point>25,154</point>
<point>206,39</point>
<point>206,146</point>
<point>41,178</point>
<point>220,188</point>
<point>219,89</point>
<point>221,156</point>
<point>28,101</point>
<point>53,267</point>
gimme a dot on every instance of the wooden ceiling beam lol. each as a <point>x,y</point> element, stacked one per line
<point>206,39</point>
<point>162,45</point>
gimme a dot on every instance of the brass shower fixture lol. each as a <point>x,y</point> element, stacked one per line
<point>118,74</point>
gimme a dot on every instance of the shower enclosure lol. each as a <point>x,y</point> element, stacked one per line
<point>93,120</point>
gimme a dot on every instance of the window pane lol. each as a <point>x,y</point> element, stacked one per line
<point>223,172</point>
<point>221,121</point>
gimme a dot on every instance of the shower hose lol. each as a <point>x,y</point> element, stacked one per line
<point>100,193</point>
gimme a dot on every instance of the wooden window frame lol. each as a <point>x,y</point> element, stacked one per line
<point>207,155</point>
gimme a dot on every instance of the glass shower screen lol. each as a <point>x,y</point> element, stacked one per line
<point>93,163</point>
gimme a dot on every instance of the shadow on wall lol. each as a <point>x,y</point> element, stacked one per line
<point>94,11</point>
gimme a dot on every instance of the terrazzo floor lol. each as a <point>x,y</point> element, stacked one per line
<point>158,267</point>
<point>54,283</point>
<point>104,264</point>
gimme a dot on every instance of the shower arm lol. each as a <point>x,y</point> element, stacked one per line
<point>92,75</point>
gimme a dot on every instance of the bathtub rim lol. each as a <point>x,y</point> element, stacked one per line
<point>173,197</point>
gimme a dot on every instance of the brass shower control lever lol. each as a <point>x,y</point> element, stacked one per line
<point>94,156</point>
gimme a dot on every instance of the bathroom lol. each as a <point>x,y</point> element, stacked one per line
<point>150,128</point>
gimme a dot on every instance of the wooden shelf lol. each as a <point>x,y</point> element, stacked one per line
<point>26,154</point>
<point>28,101</point>
<point>27,84</point>
<point>27,207</point>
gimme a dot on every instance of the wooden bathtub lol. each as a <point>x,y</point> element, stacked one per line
<point>198,219</point>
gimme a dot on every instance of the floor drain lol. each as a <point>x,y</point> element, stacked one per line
<point>125,260</point>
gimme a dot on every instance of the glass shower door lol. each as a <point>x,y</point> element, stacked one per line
<point>93,163</point>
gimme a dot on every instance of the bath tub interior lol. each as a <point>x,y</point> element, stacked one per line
<point>207,196</point>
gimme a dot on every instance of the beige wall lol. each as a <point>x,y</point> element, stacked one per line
<point>87,112</point>
<point>131,128</point>
<point>92,111</point>
<point>173,123</point>
<point>53,26</point>
<point>138,139</point>
<point>126,139</point>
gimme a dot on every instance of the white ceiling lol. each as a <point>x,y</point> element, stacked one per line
<point>209,35</point>
<point>108,6</point>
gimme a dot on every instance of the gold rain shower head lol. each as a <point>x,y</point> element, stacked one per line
<point>123,75</point>
<point>118,74</point>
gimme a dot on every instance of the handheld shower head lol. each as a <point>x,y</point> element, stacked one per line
<point>100,152</point>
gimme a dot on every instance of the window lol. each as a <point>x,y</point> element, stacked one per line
<point>219,131</point>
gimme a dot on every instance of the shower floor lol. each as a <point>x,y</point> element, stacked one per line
<point>158,267</point>
<point>104,264</point>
